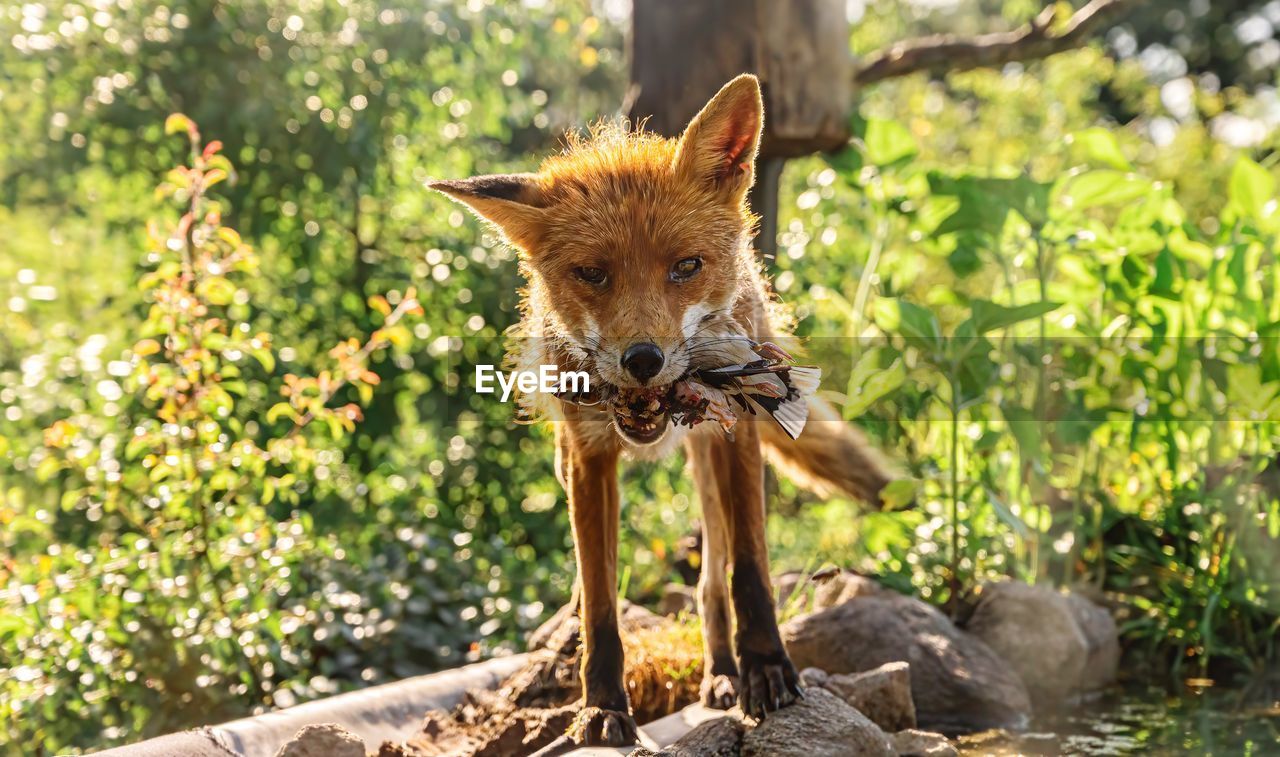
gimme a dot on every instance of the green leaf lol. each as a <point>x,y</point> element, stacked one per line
<point>1163,283</point>
<point>281,410</point>
<point>1097,145</point>
<point>985,203</point>
<point>47,467</point>
<point>217,290</point>
<point>869,383</point>
<point>988,316</point>
<point>915,323</point>
<point>888,142</point>
<point>848,163</point>
<point>1252,189</point>
<point>898,494</point>
<point>1007,515</point>
<point>977,370</point>
<point>1103,187</point>
<point>964,260</point>
<point>177,122</point>
<point>1026,430</point>
<point>1247,391</point>
<point>266,358</point>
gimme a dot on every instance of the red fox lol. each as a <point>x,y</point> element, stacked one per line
<point>637,252</point>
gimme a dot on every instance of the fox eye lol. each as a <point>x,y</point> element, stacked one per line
<point>686,269</point>
<point>590,274</point>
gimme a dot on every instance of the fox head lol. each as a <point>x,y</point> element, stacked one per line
<point>635,246</point>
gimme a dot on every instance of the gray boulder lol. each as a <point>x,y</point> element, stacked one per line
<point>822,590</point>
<point>678,598</point>
<point>820,725</point>
<point>1061,645</point>
<point>958,683</point>
<point>913,743</point>
<point>882,694</point>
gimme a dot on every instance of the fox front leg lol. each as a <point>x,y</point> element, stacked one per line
<point>767,680</point>
<point>592,477</point>
<point>719,689</point>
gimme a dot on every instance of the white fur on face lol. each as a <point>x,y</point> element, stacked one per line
<point>692,319</point>
<point>588,338</point>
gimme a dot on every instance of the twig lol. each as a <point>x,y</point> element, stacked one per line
<point>949,52</point>
<point>406,306</point>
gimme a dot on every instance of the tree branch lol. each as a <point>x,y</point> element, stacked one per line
<point>948,52</point>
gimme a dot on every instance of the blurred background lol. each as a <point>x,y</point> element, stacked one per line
<point>233,474</point>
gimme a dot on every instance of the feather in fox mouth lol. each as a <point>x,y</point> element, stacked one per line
<point>770,385</point>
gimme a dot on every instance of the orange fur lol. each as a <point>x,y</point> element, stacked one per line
<point>603,229</point>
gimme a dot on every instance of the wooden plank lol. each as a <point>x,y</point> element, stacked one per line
<point>391,712</point>
<point>682,52</point>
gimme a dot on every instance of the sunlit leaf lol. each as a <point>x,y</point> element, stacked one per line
<point>176,123</point>
<point>1103,187</point>
<point>1252,189</point>
<point>870,383</point>
<point>1097,145</point>
<point>988,316</point>
<point>915,323</point>
<point>218,290</point>
<point>888,142</point>
<point>985,203</point>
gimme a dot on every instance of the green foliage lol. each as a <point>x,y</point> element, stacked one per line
<point>418,538</point>
<point>188,587</point>
<point>1090,397</point>
<point>1064,329</point>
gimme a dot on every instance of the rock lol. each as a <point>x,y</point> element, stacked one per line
<point>678,598</point>
<point>913,743</point>
<point>828,589</point>
<point>958,683</point>
<point>842,587</point>
<point>813,677</point>
<point>721,737</point>
<point>820,725</point>
<point>1103,637</point>
<point>883,694</point>
<point>325,740</point>
<point>1060,644</point>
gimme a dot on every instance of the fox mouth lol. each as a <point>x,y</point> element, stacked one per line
<point>641,415</point>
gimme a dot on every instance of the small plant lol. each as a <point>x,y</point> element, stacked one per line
<point>190,592</point>
<point>964,368</point>
<point>1129,440</point>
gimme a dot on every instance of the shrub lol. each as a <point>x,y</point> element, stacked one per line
<point>182,577</point>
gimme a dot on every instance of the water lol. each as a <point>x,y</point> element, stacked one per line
<point>1142,720</point>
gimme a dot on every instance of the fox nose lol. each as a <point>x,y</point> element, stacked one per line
<point>643,360</point>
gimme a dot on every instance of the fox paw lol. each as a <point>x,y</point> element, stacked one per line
<point>719,692</point>
<point>767,683</point>
<point>598,727</point>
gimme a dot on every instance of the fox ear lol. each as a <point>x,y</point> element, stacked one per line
<point>512,202</point>
<point>720,144</point>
